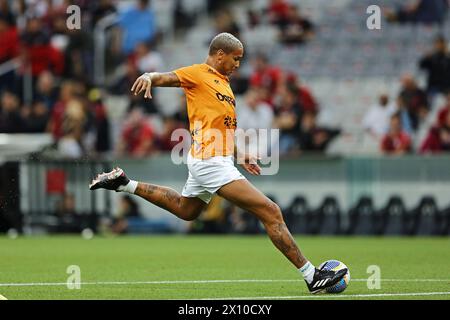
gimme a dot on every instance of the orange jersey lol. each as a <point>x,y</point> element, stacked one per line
<point>211,110</point>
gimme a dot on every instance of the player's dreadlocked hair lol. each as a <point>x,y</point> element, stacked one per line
<point>225,41</point>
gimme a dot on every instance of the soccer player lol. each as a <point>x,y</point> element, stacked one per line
<point>211,106</point>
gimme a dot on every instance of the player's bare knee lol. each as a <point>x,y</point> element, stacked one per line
<point>274,215</point>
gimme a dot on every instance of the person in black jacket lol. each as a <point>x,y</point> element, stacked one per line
<point>10,118</point>
<point>419,11</point>
<point>437,65</point>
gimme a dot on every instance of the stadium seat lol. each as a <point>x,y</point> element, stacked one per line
<point>442,222</point>
<point>297,215</point>
<point>424,218</point>
<point>361,217</point>
<point>445,222</point>
<point>389,220</point>
<point>326,219</point>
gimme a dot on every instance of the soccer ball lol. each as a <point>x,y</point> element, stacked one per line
<point>336,265</point>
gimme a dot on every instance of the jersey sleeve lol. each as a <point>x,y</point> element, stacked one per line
<point>188,76</point>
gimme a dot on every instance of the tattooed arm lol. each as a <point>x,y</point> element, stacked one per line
<point>155,79</point>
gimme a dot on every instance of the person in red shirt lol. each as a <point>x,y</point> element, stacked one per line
<point>9,49</point>
<point>67,93</point>
<point>137,135</point>
<point>278,11</point>
<point>296,29</point>
<point>266,76</point>
<point>396,141</point>
<point>444,111</point>
<point>438,139</point>
<point>9,40</point>
<point>306,99</point>
<point>37,50</point>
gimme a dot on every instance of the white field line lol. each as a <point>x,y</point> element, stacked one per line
<point>32,284</point>
<point>328,296</point>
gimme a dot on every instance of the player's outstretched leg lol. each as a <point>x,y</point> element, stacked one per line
<point>243,194</point>
<point>184,208</point>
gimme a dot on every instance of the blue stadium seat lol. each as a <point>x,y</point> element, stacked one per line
<point>361,216</point>
<point>389,220</point>
<point>326,219</point>
<point>425,218</point>
<point>297,214</point>
<point>444,222</point>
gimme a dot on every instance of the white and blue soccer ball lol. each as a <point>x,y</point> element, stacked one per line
<point>336,265</point>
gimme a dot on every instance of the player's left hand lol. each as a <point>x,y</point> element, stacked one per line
<point>251,164</point>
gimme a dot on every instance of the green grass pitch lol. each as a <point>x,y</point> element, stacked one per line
<point>216,267</point>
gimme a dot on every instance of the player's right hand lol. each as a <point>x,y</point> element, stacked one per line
<point>143,83</point>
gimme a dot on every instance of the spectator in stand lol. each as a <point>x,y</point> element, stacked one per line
<point>179,120</point>
<point>9,37</point>
<point>37,50</point>
<point>239,83</point>
<point>145,59</point>
<point>9,48</point>
<point>306,99</point>
<point>46,90</point>
<point>287,118</point>
<point>181,115</point>
<point>438,139</point>
<point>437,66</point>
<point>415,100</point>
<point>18,9</point>
<point>9,40</point>
<point>128,208</point>
<point>444,111</point>
<point>5,11</point>
<point>313,138</point>
<point>35,117</point>
<point>405,119</point>
<point>254,19</point>
<point>69,221</point>
<point>266,76</point>
<point>67,93</point>
<point>278,12</point>
<point>137,24</point>
<point>225,22</point>
<point>10,118</point>
<point>72,142</point>
<point>419,11</point>
<point>137,138</point>
<point>396,141</point>
<point>183,19</point>
<point>101,125</point>
<point>296,29</point>
<point>102,9</point>
<point>164,140</point>
<point>55,18</point>
<point>376,120</point>
<point>255,114</point>
<point>79,54</point>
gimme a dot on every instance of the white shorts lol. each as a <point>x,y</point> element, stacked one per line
<point>209,175</point>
